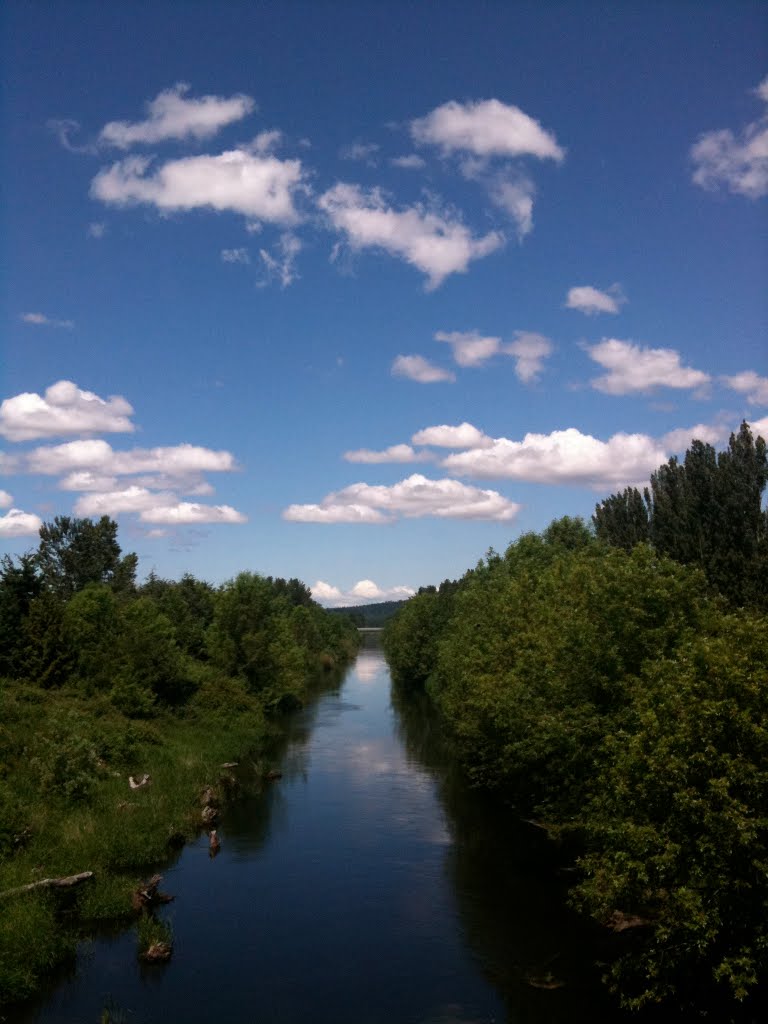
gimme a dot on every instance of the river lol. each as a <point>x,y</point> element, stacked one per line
<point>367,886</point>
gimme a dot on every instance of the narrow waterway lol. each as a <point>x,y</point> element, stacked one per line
<point>366,886</point>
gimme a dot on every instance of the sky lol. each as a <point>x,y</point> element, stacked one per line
<point>356,291</point>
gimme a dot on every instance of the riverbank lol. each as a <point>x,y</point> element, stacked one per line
<point>217,749</point>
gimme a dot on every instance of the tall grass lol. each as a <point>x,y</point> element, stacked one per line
<point>66,807</point>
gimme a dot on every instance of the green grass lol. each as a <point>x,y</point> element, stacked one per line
<point>66,807</point>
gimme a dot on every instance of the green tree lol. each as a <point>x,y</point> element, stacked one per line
<point>75,552</point>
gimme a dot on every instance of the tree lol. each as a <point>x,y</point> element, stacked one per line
<point>75,552</point>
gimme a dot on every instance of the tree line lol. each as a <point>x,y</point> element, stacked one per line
<point>72,614</point>
<point>612,683</point>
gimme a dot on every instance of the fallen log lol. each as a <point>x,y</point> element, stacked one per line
<point>50,883</point>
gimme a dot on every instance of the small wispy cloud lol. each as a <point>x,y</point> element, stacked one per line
<point>589,300</point>
<point>171,115</point>
<point>235,256</point>
<point>421,370</point>
<point>42,320</point>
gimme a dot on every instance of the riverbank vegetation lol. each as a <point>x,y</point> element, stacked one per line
<point>103,680</point>
<point>612,684</point>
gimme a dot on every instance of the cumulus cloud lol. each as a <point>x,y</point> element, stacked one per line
<point>563,457</point>
<point>280,265</point>
<point>6,500</point>
<point>409,162</point>
<point>485,128</point>
<point>329,512</point>
<point>412,498</point>
<point>632,368</point>
<point>113,503</point>
<point>259,186</point>
<point>591,300</point>
<point>421,370</point>
<point>433,241</point>
<point>465,435</point>
<point>760,428</point>
<point>395,453</point>
<point>185,512</point>
<point>170,115</point>
<point>530,350</point>
<point>235,256</point>
<point>679,440</point>
<point>64,409</point>
<point>325,593</point>
<point>41,320</point>
<point>749,383</point>
<point>470,348</point>
<point>737,162</point>
<point>363,592</point>
<point>180,461</point>
<point>16,523</point>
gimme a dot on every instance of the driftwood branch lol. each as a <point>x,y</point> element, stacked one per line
<point>50,883</point>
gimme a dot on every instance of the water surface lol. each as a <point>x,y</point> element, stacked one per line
<point>367,886</point>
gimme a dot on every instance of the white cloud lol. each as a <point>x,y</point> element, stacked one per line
<point>395,453</point>
<point>329,512</point>
<point>364,152</point>
<point>112,503</point>
<point>41,320</point>
<point>16,523</point>
<point>434,242</point>
<point>680,439</point>
<point>736,162</point>
<point>591,300</point>
<point>281,266</point>
<point>325,593</point>
<point>363,592</point>
<point>462,436</point>
<point>419,369</point>
<point>235,256</point>
<point>97,229</point>
<point>86,480</point>
<point>530,350</point>
<point>412,498</point>
<point>171,116</point>
<point>486,128</point>
<point>635,369</point>
<point>515,196</point>
<point>760,428</point>
<point>6,499</point>
<point>470,348</point>
<point>410,162</point>
<point>260,187</point>
<point>179,462</point>
<point>186,512</point>
<point>64,409</point>
<point>750,384</point>
<point>564,457</point>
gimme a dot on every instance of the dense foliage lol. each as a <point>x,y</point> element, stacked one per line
<point>704,511</point>
<point>610,692</point>
<point>101,678</point>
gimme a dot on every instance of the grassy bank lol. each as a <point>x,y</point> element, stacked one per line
<point>66,807</point>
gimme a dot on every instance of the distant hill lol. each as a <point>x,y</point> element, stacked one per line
<point>371,615</point>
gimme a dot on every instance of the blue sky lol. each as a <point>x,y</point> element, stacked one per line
<point>354,291</point>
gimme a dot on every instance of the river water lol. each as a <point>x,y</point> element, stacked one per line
<point>368,885</point>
